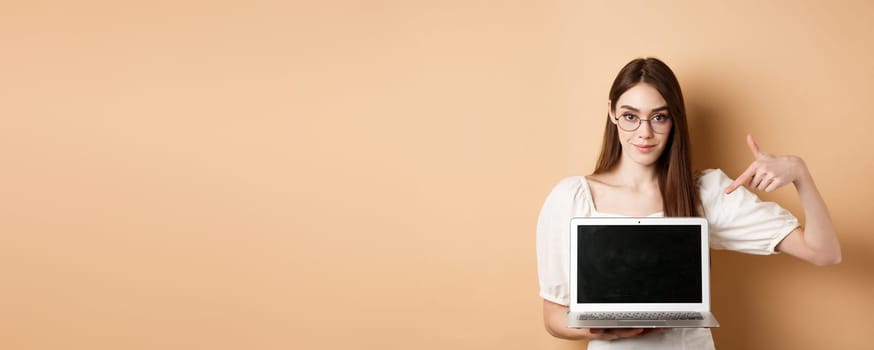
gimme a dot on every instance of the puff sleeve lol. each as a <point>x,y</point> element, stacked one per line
<point>740,221</point>
<point>553,237</point>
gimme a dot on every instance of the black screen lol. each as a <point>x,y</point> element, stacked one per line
<point>639,264</point>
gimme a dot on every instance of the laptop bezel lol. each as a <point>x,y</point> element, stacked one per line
<point>703,306</point>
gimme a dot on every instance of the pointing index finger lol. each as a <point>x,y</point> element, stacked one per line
<point>742,179</point>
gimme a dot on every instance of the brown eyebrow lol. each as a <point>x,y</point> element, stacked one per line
<point>662,108</point>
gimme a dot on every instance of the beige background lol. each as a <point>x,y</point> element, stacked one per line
<point>367,174</point>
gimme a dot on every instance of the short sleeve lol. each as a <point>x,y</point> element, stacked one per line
<point>740,221</point>
<point>553,238</point>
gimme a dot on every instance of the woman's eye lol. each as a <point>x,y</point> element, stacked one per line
<point>660,118</point>
<point>630,117</point>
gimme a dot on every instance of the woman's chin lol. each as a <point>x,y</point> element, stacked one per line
<point>648,159</point>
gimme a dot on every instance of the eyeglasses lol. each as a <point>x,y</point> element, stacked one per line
<point>659,123</point>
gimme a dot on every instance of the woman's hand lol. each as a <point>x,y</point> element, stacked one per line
<point>555,317</point>
<point>768,173</point>
<point>619,333</point>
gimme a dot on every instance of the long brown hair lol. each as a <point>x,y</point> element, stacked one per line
<point>674,166</point>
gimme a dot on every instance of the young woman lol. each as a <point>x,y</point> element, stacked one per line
<point>645,170</point>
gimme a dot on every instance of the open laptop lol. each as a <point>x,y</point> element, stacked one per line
<point>639,273</point>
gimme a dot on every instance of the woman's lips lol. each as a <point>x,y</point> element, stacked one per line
<point>645,148</point>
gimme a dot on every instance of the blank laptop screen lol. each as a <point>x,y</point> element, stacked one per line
<point>639,264</point>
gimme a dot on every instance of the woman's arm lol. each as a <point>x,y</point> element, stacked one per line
<point>818,242</point>
<point>554,318</point>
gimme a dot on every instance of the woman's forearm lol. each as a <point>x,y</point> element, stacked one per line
<point>554,319</point>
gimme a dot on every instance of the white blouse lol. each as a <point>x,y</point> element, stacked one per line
<point>738,221</point>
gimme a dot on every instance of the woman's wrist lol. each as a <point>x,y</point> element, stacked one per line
<point>802,175</point>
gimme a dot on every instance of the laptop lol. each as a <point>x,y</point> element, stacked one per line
<point>651,272</point>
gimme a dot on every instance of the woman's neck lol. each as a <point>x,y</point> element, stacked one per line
<point>636,176</point>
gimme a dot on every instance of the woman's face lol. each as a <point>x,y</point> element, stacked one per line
<point>643,123</point>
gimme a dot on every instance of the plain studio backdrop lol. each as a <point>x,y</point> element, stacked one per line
<point>367,174</point>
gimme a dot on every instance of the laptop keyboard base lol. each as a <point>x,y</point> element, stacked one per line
<point>640,316</point>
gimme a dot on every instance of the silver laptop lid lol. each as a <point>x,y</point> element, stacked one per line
<point>640,264</point>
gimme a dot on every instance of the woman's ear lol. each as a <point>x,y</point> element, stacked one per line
<point>610,112</point>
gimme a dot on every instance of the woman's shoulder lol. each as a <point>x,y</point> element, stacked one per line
<point>573,188</point>
<point>710,178</point>
<point>711,186</point>
<point>571,184</point>
<point>568,198</point>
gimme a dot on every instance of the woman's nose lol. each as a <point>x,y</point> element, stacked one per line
<point>645,129</point>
